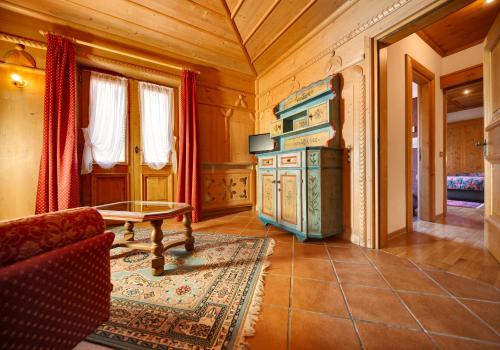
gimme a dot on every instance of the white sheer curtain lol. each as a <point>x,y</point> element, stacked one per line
<point>157,127</point>
<point>105,135</point>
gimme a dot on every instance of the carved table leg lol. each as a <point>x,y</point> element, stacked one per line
<point>157,248</point>
<point>186,221</point>
<point>129,231</point>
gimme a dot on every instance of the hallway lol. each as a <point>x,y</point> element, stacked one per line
<point>454,244</point>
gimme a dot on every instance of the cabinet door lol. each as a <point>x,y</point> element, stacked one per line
<point>290,198</point>
<point>267,194</point>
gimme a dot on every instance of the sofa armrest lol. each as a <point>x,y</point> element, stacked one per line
<point>55,299</point>
<point>23,238</point>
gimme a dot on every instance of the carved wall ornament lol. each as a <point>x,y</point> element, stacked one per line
<point>222,190</point>
<point>240,102</point>
<point>294,84</point>
<point>333,64</point>
<point>226,113</point>
<point>362,155</point>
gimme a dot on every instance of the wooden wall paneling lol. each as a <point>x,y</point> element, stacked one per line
<point>21,129</point>
<point>213,138</point>
<point>463,156</point>
<point>227,188</point>
<point>241,125</point>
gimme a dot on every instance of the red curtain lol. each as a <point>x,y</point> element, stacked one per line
<point>188,175</point>
<point>58,176</point>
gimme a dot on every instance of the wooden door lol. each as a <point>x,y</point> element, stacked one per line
<point>491,74</point>
<point>101,186</point>
<point>267,194</point>
<point>290,198</point>
<point>148,184</point>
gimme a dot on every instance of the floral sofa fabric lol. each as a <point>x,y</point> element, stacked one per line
<point>466,182</point>
<point>55,279</point>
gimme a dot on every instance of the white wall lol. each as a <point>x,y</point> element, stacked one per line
<point>424,54</point>
<point>462,59</point>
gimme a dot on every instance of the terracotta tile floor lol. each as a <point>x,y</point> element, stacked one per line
<point>334,295</point>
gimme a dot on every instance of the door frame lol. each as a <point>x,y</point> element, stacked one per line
<point>415,71</point>
<point>491,132</point>
<point>406,27</point>
<point>447,82</point>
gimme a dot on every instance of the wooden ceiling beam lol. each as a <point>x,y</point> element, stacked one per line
<point>261,20</point>
<point>283,30</point>
<point>238,35</point>
<point>182,22</point>
<point>50,22</point>
<point>236,9</point>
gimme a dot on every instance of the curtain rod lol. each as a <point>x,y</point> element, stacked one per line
<point>107,49</point>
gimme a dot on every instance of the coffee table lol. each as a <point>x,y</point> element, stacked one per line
<point>154,212</point>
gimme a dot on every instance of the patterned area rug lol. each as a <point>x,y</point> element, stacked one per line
<point>206,299</point>
<point>464,204</point>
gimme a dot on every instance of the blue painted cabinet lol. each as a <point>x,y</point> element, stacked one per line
<point>299,188</point>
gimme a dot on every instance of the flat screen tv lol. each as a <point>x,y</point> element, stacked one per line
<point>261,143</point>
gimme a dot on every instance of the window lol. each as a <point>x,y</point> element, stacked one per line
<point>157,129</point>
<point>106,132</point>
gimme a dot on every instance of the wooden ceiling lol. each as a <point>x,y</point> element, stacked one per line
<point>241,35</point>
<point>462,29</point>
<point>465,97</point>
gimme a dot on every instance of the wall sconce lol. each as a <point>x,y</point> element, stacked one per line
<point>17,80</point>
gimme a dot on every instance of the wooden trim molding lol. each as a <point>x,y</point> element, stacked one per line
<point>461,77</point>
<point>415,70</point>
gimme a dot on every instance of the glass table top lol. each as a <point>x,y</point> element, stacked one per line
<point>143,207</point>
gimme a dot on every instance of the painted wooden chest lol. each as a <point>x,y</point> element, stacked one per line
<point>299,188</point>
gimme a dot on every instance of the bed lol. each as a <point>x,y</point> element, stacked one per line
<point>466,187</point>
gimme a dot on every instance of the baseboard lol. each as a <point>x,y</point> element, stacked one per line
<point>439,217</point>
<point>397,233</point>
<point>224,211</point>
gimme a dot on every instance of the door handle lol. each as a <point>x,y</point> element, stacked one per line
<point>137,149</point>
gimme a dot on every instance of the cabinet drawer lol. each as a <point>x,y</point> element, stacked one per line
<point>289,160</point>
<point>267,162</point>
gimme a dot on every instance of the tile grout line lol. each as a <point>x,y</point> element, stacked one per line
<point>356,330</point>
<point>290,295</point>
<point>452,296</point>
<point>402,301</point>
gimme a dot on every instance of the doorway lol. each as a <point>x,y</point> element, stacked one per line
<point>420,140</point>
<point>440,242</point>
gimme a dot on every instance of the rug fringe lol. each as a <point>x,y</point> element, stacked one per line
<point>256,303</point>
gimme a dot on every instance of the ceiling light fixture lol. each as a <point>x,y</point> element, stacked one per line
<point>489,1</point>
<point>17,80</point>
<point>466,91</point>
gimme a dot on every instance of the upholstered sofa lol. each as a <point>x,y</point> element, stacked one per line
<point>55,281</point>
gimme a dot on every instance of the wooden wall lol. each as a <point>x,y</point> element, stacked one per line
<point>226,101</point>
<point>462,154</point>
<point>21,126</point>
<point>341,45</point>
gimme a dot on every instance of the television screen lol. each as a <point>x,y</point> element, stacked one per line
<point>260,143</point>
